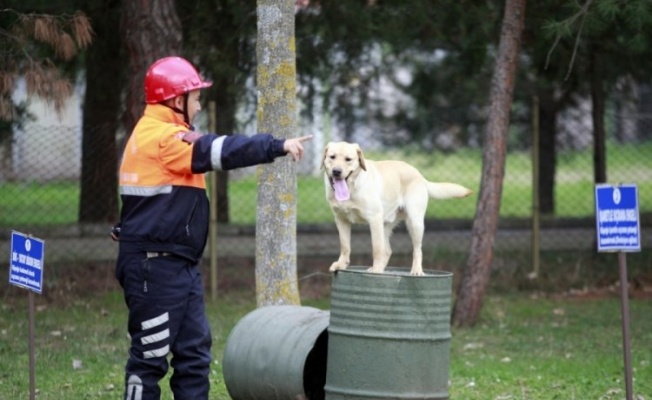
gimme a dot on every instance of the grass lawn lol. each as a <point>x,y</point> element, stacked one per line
<point>541,348</point>
<point>524,347</point>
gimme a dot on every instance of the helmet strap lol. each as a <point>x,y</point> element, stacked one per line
<point>186,117</point>
<point>184,112</point>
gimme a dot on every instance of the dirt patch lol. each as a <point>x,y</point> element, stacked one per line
<point>66,283</point>
<point>613,291</point>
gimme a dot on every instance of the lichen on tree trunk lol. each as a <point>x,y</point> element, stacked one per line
<point>276,270</point>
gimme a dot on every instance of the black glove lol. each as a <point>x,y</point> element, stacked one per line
<point>115,232</point>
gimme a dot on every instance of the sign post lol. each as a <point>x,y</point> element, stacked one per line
<point>26,271</point>
<point>618,230</point>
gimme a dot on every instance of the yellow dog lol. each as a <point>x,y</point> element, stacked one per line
<point>380,193</point>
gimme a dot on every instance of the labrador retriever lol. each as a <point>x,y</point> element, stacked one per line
<point>382,194</point>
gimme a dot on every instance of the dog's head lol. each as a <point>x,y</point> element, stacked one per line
<point>342,162</point>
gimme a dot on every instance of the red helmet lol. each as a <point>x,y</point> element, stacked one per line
<point>170,77</point>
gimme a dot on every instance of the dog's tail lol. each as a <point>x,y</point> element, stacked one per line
<point>446,190</point>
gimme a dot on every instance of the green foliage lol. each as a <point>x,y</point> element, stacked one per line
<point>611,29</point>
<point>351,47</point>
<point>219,35</point>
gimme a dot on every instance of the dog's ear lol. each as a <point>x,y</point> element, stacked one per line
<point>323,158</point>
<point>361,158</point>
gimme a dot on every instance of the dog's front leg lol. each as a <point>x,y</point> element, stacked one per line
<point>344,229</point>
<point>380,255</point>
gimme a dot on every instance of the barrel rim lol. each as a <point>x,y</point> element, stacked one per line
<point>392,271</point>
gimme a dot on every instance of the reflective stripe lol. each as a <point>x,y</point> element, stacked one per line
<point>154,254</point>
<point>146,191</point>
<point>157,337</point>
<point>134,388</point>
<point>160,320</point>
<point>162,352</point>
<point>216,153</point>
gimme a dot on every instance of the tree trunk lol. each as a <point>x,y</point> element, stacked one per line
<point>597,113</point>
<point>104,80</point>
<point>547,150</point>
<point>276,242</point>
<point>644,111</point>
<point>225,110</point>
<point>219,33</point>
<point>151,30</point>
<point>6,153</point>
<point>476,276</point>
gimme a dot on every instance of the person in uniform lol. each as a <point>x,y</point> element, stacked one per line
<point>163,229</point>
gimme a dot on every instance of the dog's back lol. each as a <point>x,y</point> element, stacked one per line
<point>399,175</point>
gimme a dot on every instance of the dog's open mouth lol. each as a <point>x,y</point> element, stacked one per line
<point>340,188</point>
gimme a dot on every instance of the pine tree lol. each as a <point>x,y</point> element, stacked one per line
<point>31,46</point>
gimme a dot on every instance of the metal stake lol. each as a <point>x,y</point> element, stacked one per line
<point>622,262</point>
<point>32,374</point>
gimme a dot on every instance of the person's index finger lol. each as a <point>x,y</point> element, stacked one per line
<point>304,138</point>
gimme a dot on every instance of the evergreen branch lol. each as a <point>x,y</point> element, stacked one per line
<point>568,22</point>
<point>576,46</point>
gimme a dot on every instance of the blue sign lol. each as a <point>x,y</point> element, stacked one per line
<point>617,218</point>
<point>26,262</point>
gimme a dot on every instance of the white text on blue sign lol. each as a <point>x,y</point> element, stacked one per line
<point>26,269</point>
<point>617,218</point>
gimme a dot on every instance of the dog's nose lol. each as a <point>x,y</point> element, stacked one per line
<point>337,172</point>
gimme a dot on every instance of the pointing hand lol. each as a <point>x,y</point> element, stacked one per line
<point>294,146</point>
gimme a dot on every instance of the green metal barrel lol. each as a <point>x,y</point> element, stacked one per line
<point>389,335</point>
<point>277,352</point>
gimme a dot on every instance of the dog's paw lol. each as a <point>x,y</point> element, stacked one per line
<point>336,266</point>
<point>417,272</point>
<point>376,270</point>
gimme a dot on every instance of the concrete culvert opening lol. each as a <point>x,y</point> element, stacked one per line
<point>314,372</point>
<point>277,352</point>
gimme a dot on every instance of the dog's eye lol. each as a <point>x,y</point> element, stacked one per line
<point>348,159</point>
<point>332,157</point>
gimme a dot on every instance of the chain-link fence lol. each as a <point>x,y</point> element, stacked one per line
<point>40,186</point>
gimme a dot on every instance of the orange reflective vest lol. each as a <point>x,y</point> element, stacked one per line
<point>156,156</point>
<point>162,183</point>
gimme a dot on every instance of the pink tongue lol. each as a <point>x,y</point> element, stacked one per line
<point>341,190</point>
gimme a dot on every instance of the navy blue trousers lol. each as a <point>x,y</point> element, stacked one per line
<point>165,299</point>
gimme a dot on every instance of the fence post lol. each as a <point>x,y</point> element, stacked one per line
<point>535,190</point>
<point>212,227</point>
